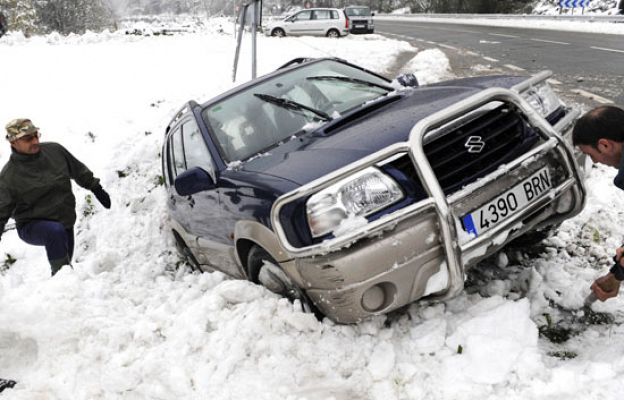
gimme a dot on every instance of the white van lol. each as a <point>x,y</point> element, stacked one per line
<point>330,22</point>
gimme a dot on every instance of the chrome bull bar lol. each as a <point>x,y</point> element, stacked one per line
<point>437,200</point>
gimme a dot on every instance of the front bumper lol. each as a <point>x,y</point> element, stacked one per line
<point>421,250</point>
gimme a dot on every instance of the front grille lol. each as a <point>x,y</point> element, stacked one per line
<point>498,135</point>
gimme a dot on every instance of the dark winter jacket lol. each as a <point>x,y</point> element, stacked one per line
<point>38,186</point>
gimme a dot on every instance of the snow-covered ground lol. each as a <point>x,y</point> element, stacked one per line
<point>126,324</point>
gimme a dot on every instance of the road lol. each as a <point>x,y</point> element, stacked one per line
<point>588,67</point>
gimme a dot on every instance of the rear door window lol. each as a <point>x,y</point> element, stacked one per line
<point>322,14</point>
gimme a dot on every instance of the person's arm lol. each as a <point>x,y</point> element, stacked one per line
<point>79,172</point>
<point>608,286</point>
<point>84,177</point>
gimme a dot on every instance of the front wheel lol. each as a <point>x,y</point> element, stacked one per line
<point>279,32</point>
<point>332,33</point>
<point>263,269</point>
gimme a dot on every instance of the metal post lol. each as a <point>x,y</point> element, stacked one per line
<point>238,44</point>
<point>254,27</point>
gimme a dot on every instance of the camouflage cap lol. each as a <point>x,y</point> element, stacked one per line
<point>19,128</point>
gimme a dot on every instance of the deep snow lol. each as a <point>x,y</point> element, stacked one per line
<point>125,323</point>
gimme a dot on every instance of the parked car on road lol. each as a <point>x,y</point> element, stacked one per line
<point>330,22</point>
<point>360,19</point>
<point>331,185</point>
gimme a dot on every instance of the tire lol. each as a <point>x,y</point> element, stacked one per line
<point>186,252</point>
<point>333,33</point>
<point>279,32</point>
<point>275,279</point>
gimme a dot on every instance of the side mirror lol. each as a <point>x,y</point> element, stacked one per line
<point>193,181</point>
<point>407,80</point>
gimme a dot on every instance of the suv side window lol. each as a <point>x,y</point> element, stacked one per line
<point>303,16</point>
<point>195,150</point>
<point>177,152</point>
<point>334,14</point>
<point>322,14</point>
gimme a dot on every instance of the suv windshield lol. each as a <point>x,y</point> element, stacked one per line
<point>358,12</point>
<point>264,115</point>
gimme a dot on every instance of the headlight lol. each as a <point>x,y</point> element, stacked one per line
<point>543,99</point>
<point>359,195</point>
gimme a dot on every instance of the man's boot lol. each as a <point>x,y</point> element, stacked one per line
<point>58,264</point>
<point>6,384</point>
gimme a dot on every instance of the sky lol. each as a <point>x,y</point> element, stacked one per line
<point>128,322</point>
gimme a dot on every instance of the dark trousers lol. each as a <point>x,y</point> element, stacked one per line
<point>58,241</point>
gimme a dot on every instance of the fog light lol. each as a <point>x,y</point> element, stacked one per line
<point>373,298</point>
<point>565,202</point>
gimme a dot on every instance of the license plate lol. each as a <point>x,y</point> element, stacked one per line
<point>359,26</point>
<point>507,204</point>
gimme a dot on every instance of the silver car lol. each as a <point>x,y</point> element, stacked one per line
<point>330,22</point>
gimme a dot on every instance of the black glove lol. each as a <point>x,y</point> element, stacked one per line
<point>102,196</point>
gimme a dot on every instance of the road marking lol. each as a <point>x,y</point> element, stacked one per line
<point>472,53</point>
<point>549,41</point>
<point>553,81</point>
<point>607,49</point>
<point>446,46</point>
<point>500,34</point>
<point>490,59</point>
<point>511,66</point>
<point>430,42</point>
<point>592,96</point>
<point>420,40</point>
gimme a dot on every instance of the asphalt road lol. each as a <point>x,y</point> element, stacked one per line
<point>588,67</point>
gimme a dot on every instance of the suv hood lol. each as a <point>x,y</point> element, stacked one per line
<point>346,140</point>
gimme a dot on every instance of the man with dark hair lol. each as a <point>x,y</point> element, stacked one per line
<point>3,24</point>
<point>35,189</point>
<point>600,134</point>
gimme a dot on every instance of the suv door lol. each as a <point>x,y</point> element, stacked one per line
<point>300,23</point>
<point>199,214</point>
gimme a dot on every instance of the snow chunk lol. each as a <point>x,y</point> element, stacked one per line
<point>382,361</point>
<point>494,340</point>
<point>236,292</point>
<point>429,66</point>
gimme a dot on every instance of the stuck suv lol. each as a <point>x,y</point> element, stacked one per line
<point>330,22</point>
<point>331,185</point>
<point>360,19</point>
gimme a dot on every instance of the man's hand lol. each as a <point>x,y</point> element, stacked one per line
<point>102,196</point>
<point>606,287</point>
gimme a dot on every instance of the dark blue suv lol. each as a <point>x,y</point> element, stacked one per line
<point>355,195</point>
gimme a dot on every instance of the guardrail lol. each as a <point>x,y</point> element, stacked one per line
<point>562,17</point>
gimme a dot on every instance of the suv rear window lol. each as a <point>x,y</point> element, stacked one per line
<point>358,11</point>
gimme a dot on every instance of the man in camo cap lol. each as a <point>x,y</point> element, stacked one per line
<point>35,189</point>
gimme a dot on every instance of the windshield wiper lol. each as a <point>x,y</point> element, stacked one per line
<point>292,105</point>
<point>351,80</point>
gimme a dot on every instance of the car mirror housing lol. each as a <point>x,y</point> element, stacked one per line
<point>408,80</point>
<point>193,181</point>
